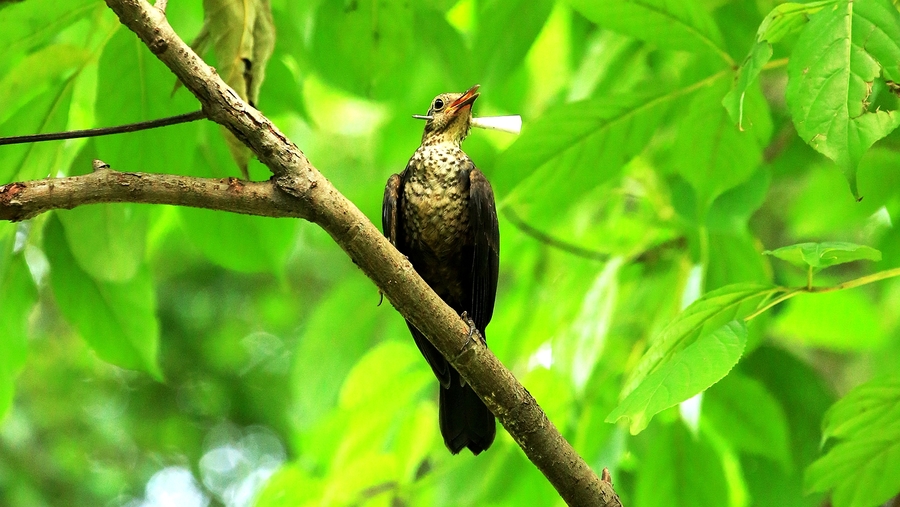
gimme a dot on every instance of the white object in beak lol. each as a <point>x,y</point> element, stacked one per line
<point>511,124</point>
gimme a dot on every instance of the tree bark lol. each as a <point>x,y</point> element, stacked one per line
<point>297,189</point>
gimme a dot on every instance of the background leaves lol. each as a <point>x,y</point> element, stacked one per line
<point>237,360</point>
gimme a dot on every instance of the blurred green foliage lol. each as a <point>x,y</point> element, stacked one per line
<point>165,356</point>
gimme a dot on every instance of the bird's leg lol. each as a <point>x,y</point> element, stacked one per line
<point>473,330</point>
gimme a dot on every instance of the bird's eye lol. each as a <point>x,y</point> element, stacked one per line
<point>438,104</point>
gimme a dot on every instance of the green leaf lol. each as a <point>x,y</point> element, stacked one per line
<point>242,34</point>
<point>107,240</point>
<point>679,470</point>
<point>291,486</point>
<point>862,471</point>
<point>17,296</point>
<point>743,412</point>
<point>684,373</point>
<point>322,363</point>
<point>506,31</point>
<point>710,153</point>
<point>243,243</point>
<point>118,320</point>
<point>672,24</point>
<point>869,408</point>
<point>32,23</point>
<point>132,86</point>
<point>365,46</point>
<point>822,255</point>
<point>835,63</point>
<point>842,320</point>
<point>783,20</point>
<point>43,72</point>
<point>553,152</point>
<point>712,311</point>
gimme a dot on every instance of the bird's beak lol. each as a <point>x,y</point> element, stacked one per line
<point>465,100</point>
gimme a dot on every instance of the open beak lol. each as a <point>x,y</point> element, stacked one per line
<point>465,100</point>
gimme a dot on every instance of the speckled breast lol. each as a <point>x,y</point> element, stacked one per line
<point>436,200</point>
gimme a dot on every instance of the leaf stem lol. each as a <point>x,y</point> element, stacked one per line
<point>791,292</point>
<point>774,64</point>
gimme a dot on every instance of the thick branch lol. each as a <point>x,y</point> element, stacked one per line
<point>314,198</point>
<point>23,200</point>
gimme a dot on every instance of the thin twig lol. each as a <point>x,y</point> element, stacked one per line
<point>549,240</point>
<point>104,131</point>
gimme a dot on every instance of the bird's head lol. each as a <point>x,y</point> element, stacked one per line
<point>449,117</point>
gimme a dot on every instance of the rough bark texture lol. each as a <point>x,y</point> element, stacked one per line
<point>299,190</point>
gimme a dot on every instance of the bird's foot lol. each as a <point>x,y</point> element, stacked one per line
<point>473,330</point>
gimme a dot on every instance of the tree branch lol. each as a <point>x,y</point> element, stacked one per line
<point>298,189</point>
<point>24,200</point>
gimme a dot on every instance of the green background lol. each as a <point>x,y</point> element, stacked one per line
<point>152,353</point>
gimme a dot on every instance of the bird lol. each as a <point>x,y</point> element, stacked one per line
<point>440,213</point>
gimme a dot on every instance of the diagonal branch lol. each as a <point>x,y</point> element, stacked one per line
<point>298,189</point>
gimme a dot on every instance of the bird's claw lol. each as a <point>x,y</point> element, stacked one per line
<point>473,330</point>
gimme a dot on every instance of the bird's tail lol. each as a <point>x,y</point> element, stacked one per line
<point>465,420</point>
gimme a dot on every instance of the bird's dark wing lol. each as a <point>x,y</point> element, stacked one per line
<point>389,208</point>
<point>392,226</point>
<point>485,249</point>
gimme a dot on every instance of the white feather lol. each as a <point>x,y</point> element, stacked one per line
<point>511,124</point>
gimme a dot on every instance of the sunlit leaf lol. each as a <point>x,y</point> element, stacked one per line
<point>291,486</point>
<point>822,255</point>
<point>711,312</point>
<point>869,408</point>
<point>672,24</point>
<point>837,59</point>
<point>685,373</point>
<point>118,320</point>
<point>861,471</point>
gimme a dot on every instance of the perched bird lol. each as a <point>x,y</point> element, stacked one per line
<point>440,213</point>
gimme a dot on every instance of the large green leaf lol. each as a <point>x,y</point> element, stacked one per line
<point>506,31</point>
<point>679,470</point>
<point>17,296</point>
<point>575,147</point>
<point>36,21</point>
<point>240,242</point>
<point>822,255</point>
<point>709,152</point>
<point>365,46</point>
<point>684,373</point>
<point>835,63</point>
<point>118,320</point>
<point>39,92</point>
<point>862,471</point>
<point>868,408</point>
<point>744,413</point>
<point>672,24</point>
<point>709,313</point>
